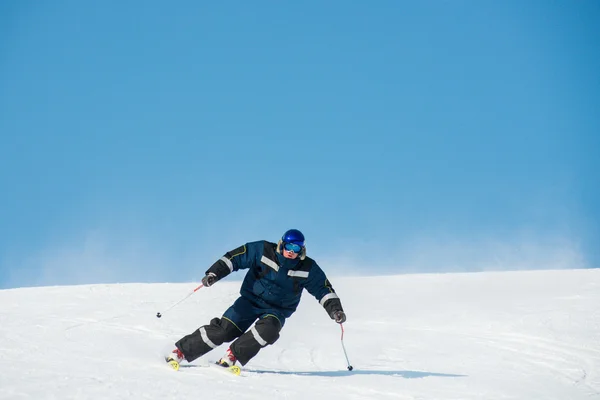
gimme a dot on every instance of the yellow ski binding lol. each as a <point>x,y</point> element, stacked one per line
<point>234,369</point>
<point>173,363</point>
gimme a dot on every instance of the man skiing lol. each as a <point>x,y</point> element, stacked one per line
<point>270,293</point>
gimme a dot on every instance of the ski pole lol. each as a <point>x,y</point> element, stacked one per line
<point>350,367</point>
<point>158,314</point>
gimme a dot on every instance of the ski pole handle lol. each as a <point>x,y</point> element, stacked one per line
<point>158,314</point>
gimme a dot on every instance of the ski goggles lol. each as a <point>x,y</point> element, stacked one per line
<point>296,248</point>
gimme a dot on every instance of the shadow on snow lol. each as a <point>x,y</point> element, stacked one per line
<point>400,374</point>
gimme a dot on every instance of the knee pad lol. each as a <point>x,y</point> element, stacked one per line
<point>268,329</point>
<point>225,329</point>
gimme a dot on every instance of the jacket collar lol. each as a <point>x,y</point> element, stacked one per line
<point>287,262</point>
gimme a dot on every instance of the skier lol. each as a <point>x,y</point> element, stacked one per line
<point>270,293</point>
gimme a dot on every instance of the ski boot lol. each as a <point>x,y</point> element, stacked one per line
<point>228,361</point>
<point>174,358</point>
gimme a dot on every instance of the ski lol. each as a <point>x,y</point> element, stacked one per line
<point>234,369</point>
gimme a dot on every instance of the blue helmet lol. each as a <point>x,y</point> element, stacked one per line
<point>293,236</point>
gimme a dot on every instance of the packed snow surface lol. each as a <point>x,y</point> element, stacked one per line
<point>492,335</point>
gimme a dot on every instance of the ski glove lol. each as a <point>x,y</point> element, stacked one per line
<point>339,316</point>
<point>209,279</point>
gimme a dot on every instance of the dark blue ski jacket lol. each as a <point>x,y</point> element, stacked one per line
<point>274,281</point>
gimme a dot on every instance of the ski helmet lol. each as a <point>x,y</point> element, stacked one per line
<point>293,236</point>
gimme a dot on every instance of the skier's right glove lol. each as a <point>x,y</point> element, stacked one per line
<point>209,279</point>
<point>339,316</point>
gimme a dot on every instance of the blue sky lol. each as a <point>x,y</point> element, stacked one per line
<point>139,141</point>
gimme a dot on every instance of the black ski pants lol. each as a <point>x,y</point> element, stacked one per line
<point>235,324</point>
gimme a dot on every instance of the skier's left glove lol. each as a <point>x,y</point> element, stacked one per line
<point>339,316</point>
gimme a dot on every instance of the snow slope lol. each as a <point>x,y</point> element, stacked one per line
<point>509,335</point>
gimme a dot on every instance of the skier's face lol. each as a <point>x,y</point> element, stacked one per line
<point>289,254</point>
